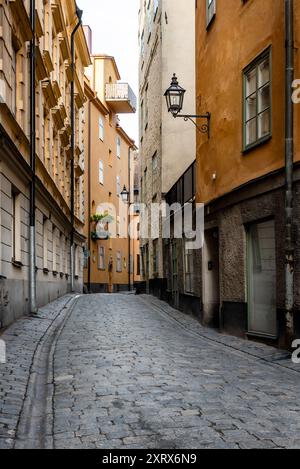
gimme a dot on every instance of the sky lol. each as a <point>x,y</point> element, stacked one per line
<point>115,32</point>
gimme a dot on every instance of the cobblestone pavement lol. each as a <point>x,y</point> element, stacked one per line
<point>131,372</point>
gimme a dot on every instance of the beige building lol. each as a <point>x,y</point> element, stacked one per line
<point>167,146</point>
<point>112,259</point>
<point>55,21</point>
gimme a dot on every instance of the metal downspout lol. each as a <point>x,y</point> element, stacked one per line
<point>289,160</point>
<point>73,129</point>
<point>32,243</point>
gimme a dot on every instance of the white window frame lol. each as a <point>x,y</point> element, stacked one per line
<point>101,128</point>
<point>101,172</point>
<point>118,141</point>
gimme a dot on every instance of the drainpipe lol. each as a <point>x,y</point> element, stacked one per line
<point>32,250</point>
<point>89,196</point>
<point>73,129</point>
<point>289,161</point>
<point>129,207</point>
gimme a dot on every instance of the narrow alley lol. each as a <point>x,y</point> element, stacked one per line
<point>125,371</point>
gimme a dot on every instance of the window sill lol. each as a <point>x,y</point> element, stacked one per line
<point>17,264</point>
<point>257,144</point>
<point>261,336</point>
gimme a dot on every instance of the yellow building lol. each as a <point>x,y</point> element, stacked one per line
<point>54,22</point>
<point>112,259</point>
<point>250,269</point>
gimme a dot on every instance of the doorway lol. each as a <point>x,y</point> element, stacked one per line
<point>211,279</point>
<point>261,267</point>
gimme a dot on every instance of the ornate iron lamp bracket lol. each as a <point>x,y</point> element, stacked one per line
<point>203,128</point>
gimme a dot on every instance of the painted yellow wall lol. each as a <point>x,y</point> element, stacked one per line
<point>239,33</point>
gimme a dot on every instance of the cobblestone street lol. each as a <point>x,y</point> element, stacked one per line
<point>123,371</point>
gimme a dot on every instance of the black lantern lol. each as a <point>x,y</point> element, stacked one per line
<point>125,195</point>
<point>174,96</point>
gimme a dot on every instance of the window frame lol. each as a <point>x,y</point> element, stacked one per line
<point>101,172</point>
<point>267,53</point>
<point>119,267</point>
<point>101,258</point>
<point>118,144</point>
<point>101,128</point>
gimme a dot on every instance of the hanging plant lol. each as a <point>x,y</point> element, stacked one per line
<point>104,218</point>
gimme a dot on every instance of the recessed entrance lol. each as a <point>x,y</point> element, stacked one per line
<point>261,268</point>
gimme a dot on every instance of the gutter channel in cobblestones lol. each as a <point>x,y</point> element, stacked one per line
<point>214,341</point>
<point>35,424</point>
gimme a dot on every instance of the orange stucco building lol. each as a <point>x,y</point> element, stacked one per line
<point>112,260</point>
<point>240,63</point>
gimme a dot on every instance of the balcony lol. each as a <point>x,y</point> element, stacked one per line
<point>120,98</point>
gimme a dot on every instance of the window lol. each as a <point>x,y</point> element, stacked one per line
<point>142,120</point>
<point>101,173</point>
<point>142,44</point>
<point>118,185</point>
<point>101,258</point>
<point>257,101</point>
<point>155,257</point>
<point>149,20</point>
<point>14,80</point>
<point>155,8</point>
<point>118,147</point>
<point>147,259</point>
<point>146,109</point>
<point>16,227</point>
<point>45,243</point>
<point>188,270</point>
<point>77,260</point>
<point>54,252</point>
<point>101,129</point>
<point>119,262</point>
<point>138,264</point>
<point>154,162</point>
<point>210,11</point>
<point>62,252</point>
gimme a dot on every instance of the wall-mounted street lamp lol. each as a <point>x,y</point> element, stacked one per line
<point>125,195</point>
<point>175,97</point>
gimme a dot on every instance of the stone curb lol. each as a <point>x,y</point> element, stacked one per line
<point>265,353</point>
